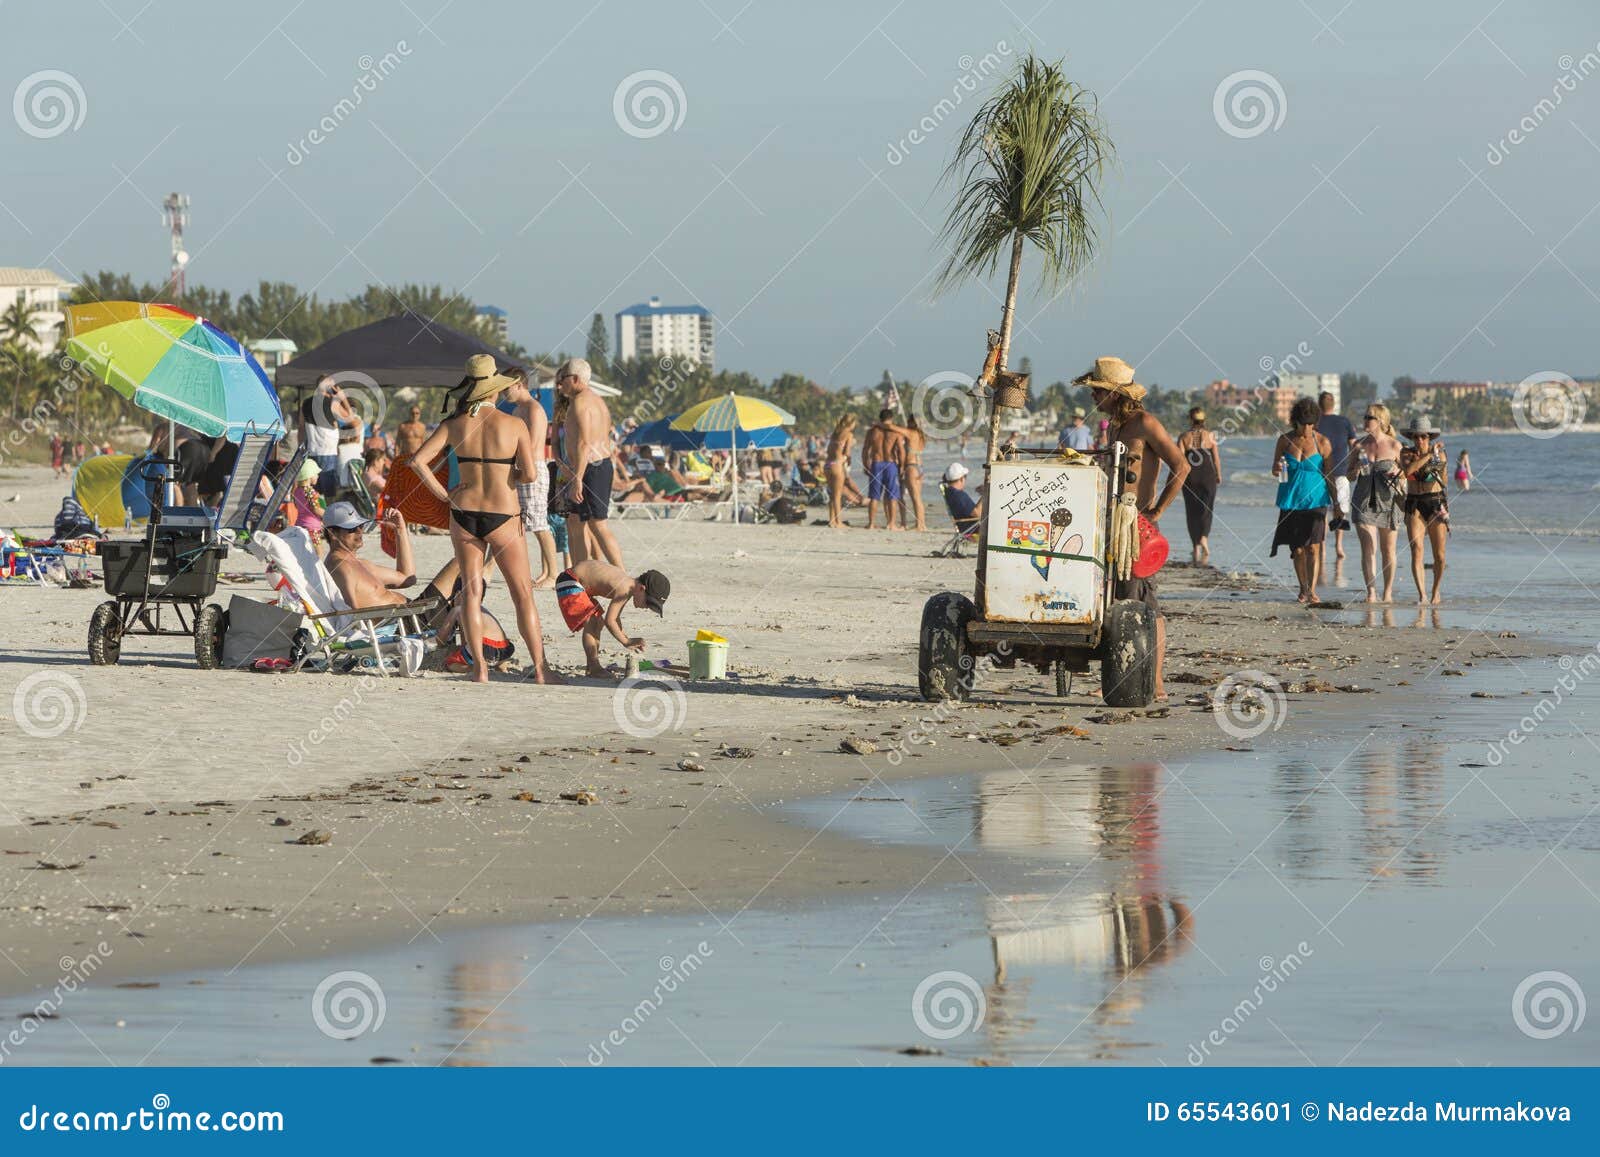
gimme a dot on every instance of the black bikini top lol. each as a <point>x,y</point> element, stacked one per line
<point>511,461</point>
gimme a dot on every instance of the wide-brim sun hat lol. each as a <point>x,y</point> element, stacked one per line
<point>483,380</point>
<point>1422,426</point>
<point>1113,375</point>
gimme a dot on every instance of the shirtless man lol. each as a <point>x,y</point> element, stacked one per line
<point>577,589</point>
<point>1149,445</point>
<point>535,493</point>
<point>412,433</point>
<point>588,443</point>
<point>882,451</point>
<point>363,583</point>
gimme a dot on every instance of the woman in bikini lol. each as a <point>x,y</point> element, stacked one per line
<point>1427,506</point>
<point>911,476</point>
<point>1301,459</point>
<point>493,452</point>
<point>837,469</point>
<point>1377,500</point>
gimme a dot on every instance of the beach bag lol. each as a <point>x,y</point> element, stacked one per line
<point>257,630</point>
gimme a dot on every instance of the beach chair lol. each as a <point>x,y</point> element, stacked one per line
<point>342,637</point>
<point>965,532</point>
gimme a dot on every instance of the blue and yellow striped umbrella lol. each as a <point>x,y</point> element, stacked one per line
<point>729,413</point>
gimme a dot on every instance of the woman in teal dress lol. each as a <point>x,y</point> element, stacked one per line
<point>1301,460</point>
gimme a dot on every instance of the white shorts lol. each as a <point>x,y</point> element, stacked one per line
<point>535,497</point>
<point>1341,495</point>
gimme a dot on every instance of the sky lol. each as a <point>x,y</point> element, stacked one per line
<point>1370,212</point>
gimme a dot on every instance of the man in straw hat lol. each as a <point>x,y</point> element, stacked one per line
<point>1121,399</point>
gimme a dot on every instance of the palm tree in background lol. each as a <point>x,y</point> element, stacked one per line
<point>1027,170</point>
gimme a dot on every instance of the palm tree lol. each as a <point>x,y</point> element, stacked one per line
<point>17,323</point>
<point>1028,169</point>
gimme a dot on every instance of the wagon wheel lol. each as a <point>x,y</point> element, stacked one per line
<point>105,635</point>
<point>210,626</point>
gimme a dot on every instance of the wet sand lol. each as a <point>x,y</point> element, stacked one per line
<point>149,819</point>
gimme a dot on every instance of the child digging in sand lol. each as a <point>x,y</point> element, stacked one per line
<point>579,587</point>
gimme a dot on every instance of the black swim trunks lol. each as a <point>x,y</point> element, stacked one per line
<point>1140,590</point>
<point>596,502</point>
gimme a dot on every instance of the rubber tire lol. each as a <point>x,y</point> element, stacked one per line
<point>1128,663</point>
<point>210,627</point>
<point>945,667</point>
<point>1063,680</point>
<point>105,635</point>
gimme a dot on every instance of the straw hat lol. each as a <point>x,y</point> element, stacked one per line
<point>1113,375</point>
<point>483,380</point>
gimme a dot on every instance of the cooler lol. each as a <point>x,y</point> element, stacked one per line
<point>1045,530</point>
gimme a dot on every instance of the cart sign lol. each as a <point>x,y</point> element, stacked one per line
<point>1045,528</point>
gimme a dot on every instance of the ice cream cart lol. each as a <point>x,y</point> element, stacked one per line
<point>1045,589</point>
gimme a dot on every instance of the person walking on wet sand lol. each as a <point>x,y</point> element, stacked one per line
<point>1376,503</point>
<point>1199,446</point>
<point>1121,399</point>
<point>1303,461</point>
<point>589,447</point>
<point>1427,505</point>
<point>578,587</point>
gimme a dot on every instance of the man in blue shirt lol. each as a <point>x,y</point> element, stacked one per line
<point>1077,436</point>
<point>966,510</point>
<point>1336,428</point>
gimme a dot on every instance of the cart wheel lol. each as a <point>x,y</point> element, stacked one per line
<point>945,668</point>
<point>1128,666</point>
<point>1063,679</point>
<point>105,635</point>
<point>210,625</point>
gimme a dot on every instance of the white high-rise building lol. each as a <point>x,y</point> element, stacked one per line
<point>1311,385</point>
<point>651,330</point>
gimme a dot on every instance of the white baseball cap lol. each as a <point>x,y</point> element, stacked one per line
<point>955,472</point>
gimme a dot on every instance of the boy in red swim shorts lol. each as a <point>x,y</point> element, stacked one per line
<point>578,588</point>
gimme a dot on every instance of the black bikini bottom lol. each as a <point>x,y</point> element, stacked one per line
<point>479,523</point>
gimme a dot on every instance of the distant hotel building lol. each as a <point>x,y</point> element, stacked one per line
<point>1311,385</point>
<point>653,330</point>
<point>46,292</point>
<point>1425,394</point>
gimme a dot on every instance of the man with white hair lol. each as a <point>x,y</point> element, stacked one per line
<point>588,448</point>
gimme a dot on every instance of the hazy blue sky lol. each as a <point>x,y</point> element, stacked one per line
<point>1369,224</point>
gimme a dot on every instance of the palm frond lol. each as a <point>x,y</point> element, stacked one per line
<point>1028,164</point>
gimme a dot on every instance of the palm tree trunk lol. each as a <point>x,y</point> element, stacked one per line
<point>1005,338</point>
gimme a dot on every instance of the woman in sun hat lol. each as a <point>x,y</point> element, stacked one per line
<point>1427,505</point>
<point>494,451</point>
<point>1199,446</point>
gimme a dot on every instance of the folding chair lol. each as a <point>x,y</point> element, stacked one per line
<point>967,533</point>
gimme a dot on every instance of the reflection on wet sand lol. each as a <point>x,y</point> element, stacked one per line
<point>1111,917</point>
<point>480,1018</point>
<point>1390,795</point>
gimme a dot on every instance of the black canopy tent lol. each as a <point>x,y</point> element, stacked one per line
<point>404,350</point>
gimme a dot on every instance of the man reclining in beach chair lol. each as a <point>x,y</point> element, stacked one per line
<point>965,510</point>
<point>577,589</point>
<point>390,626</point>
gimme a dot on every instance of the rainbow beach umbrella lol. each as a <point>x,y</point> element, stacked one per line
<point>176,365</point>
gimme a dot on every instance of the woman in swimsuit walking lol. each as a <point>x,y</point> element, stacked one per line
<point>1427,506</point>
<point>911,475</point>
<point>493,452</point>
<point>1302,458</point>
<point>837,469</point>
<point>1377,499</point>
<point>1199,446</point>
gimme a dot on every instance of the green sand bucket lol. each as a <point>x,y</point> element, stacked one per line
<point>707,660</point>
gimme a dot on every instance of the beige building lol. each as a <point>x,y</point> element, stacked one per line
<point>47,292</point>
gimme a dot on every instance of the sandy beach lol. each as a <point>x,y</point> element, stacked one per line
<point>160,819</point>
